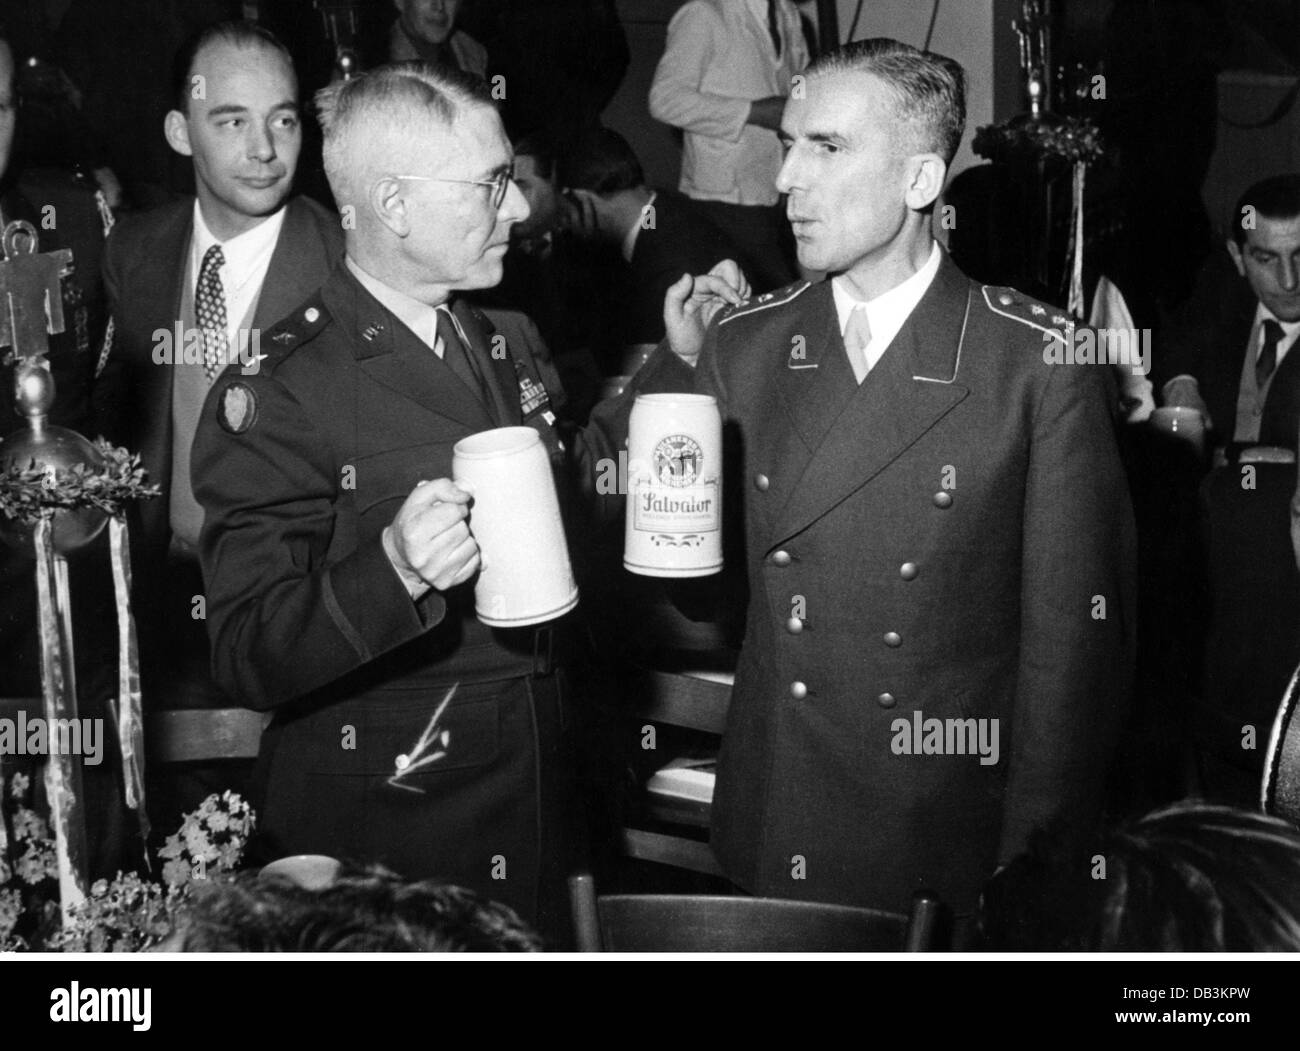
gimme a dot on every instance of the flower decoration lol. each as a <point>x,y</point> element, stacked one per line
<point>127,913</point>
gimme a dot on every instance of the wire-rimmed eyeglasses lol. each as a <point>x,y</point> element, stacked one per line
<point>499,182</point>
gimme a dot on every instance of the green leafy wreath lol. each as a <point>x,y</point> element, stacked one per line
<point>1073,139</point>
<point>31,493</point>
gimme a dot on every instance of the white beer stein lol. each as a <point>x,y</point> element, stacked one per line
<point>526,577</point>
<point>674,486</point>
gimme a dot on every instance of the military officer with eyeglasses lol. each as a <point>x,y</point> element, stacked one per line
<point>339,561</point>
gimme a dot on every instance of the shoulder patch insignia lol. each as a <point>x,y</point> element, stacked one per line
<point>767,299</point>
<point>1019,307</point>
<point>238,410</point>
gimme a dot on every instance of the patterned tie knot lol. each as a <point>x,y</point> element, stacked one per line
<point>210,308</point>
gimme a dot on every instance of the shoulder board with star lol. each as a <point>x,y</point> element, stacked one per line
<point>293,331</point>
<point>1010,302</point>
<point>768,299</point>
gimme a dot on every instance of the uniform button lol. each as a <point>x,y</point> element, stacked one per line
<point>798,690</point>
<point>886,700</point>
<point>1006,299</point>
<point>942,499</point>
<point>782,558</point>
<point>794,625</point>
<point>311,315</point>
<point>908,570</point>
<point>893,639</point>
<point>402,761</point>
<point>762,483</point>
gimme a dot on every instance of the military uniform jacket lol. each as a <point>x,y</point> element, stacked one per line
<point>952,540</point>
<point>299,467</point>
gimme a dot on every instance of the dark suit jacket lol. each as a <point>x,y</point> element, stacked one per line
<point>682,241</point>
<point>307,617</point>
<point>144,270</point>
<point>1206,338</point>
<point>955,540</point>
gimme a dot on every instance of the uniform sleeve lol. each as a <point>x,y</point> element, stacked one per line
<point>696,40</point>
<point>1077,629</point>
<point>285,616</point>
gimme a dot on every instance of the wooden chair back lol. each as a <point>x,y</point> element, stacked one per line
<point>681,923</point>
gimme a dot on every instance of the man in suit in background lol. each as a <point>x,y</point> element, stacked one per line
<point>938,528</point>
<point>194,285</point>
<point>660,234</point>
<point>1231,355</point>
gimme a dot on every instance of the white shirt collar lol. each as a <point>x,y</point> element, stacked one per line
<point>245,253</point>
<point>1290,329</point>
<point>420,318</point>
<point>886,313</point>
<point>629,238</point>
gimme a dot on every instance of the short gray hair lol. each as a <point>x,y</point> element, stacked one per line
<point>390,102</point>
<point>929,89</point>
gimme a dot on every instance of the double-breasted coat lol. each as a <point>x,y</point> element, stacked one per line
<point>952,540</point>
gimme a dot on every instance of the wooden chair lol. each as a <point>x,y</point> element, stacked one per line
<point>202,734</point>
<point>1280,791</point>
<point>706,923</point>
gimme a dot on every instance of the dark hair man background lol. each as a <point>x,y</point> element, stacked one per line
<point>191,285</point>
<point>1185,878</point>
<point>361,910</point>
<point>660,234</point>
<point>1230,351</point>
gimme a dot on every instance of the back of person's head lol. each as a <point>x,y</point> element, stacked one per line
<point>1186,878</point>
<point>1277,197</point>
<point>603,162</point>
<point>380,121</point>
<point>239,34</point>
<point>540,146</point>
<point>362,910</point>
<point>929,89</point>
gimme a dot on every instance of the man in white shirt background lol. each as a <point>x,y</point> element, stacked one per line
<point>1231,354</point>
<point>192,284</point>
<point>725,75</point>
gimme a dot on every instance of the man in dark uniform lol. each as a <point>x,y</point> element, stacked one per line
<point>336,549</point>
<point>939,541</point>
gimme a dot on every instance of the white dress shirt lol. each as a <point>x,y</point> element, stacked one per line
<point>420,318</point>
<point>248,257</point>
<point>886,313</point>
<point>1290,330</point>
<point>719,58</point>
